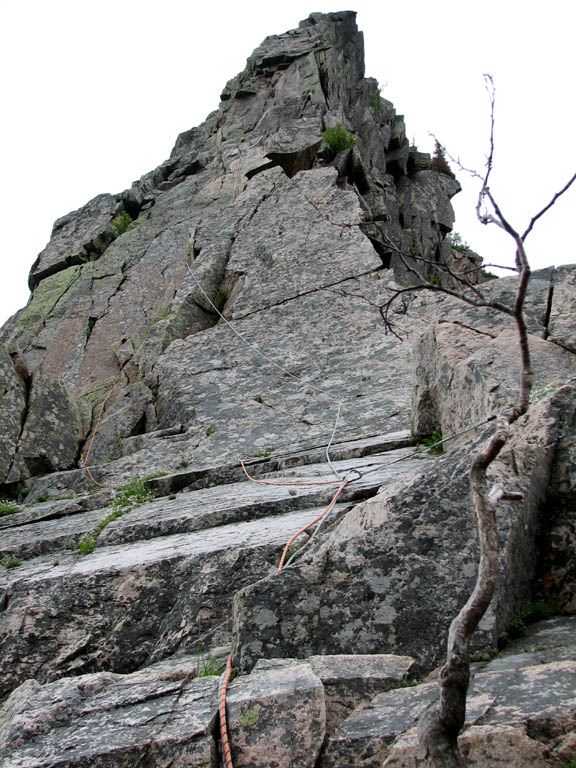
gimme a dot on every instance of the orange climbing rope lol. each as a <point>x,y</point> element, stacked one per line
<point>85,458</point>
<point>309,525</point>
<point>224,680</point>
<point>343,484</point>
<point>293,482</point>
<point>226,755</point>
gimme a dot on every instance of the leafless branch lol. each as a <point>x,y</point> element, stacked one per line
<point>535,218</point>
<point>439,727</point>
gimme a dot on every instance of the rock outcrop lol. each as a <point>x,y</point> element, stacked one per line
<point>294,713</point>
<point>226,306</point>
<point>126,292</point>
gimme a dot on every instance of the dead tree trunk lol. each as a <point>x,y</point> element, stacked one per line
<point>439,727</point>
<point>441,724</point>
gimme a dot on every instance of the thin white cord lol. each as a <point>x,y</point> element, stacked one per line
<point>244,339</point>
<point>336,475</point>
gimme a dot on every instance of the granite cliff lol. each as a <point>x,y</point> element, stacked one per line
<point>226,306</point>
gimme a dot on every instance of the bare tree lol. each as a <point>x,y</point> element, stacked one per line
<point>439,727</point>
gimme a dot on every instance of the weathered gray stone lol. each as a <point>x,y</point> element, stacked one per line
<point>477,377</point>
<point>160,715</point>
<point>467,370</point>
<point>280,253</point>
<point>277,718</point>
<point>363,739</point>
<point>407,558</point>
<point>517,714</point>
<point>563,305</point>
<point>484,746</point>
<point>129,412</point>
<point>61,525</point>
<point>13,398</point>
<point>68,601</point>
<point>557,572</point>
<point>133,319</point>
<point>53,509</point>
<point>51,433</point>
<point>78,237</point>
<point>350,681</point>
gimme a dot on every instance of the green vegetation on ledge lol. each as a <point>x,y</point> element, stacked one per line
<point>127,498</point>
<point>338,139</point>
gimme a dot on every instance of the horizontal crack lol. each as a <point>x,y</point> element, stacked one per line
<point>258,399</point>
<point>307,293</point>
<point>469,328</point>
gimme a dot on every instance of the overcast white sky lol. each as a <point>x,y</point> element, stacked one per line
<point>94,94</point>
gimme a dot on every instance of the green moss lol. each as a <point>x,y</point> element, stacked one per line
<point>250,716</point>
<point>375,102</point>
<point>536,612</point>
<point>430,442</point>
<point>540,393</point>
<point>106,521</point>
<point>208,666</point>
<point>87,545</point>
<point>162,314</point>
<point>151,332</point>
<point>131,496</point>
<point>530,614</point>
<point>46,295</point>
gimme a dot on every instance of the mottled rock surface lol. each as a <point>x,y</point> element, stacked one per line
<point>407,558</point>
<point>350,681</point>
<point>160,716</point>
<point>277,718</point>
<point>228,305</point>
<point>521,708</point>
<point>126,293</point>
<point>467,364</point>
<point>172,566</point>
<point>520,712</point>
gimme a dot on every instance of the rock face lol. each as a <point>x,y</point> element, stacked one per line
<point>126,292</point>
<point>398,550</point>
<point>520,712</point>
<point>226,306</point>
